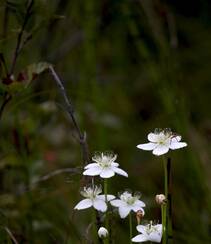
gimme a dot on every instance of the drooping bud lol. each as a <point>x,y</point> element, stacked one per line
<point>102,232</point>
<point>160,199</point>
<point>139,216</point>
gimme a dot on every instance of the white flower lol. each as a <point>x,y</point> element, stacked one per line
<point>102,232</point>
<point>148,232</point>
<point>91,193</point>
<point>161,141</point>
<point>104,166</point>
<point>128,203</point>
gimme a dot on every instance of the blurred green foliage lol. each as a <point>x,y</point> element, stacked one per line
<point>129,67</point>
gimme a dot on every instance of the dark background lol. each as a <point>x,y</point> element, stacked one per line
<point>128,66</point>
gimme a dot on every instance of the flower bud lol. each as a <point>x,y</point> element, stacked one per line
<point>139,216</point>
<point>160,199</point>
<point>102,232</point>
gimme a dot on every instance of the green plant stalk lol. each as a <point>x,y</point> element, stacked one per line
<point>165,206</point>
<point>94,229</point>
<point>163,214</point>
<point>106,241</point>
<point>131,227</point>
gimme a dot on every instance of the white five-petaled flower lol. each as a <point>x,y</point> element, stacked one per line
<point>161,141</point>
<point>128,203</point>
<point>93,198</point>
<point>104,165</point>
<point>148,232</point>
<point>102,232</point>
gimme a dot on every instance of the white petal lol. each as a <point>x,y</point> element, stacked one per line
<point>135,208</point>
<point>107,173</point>
<point>177,145</point>
<point>160,150</point>
<point>155,236</point>
<point>114,164</point>
<point>140,203</point>
<point>176,139</point>
<point>117,203</point>
<point>109,197</point>
<point>86,203</point>
<point>100,205</point>
<point>90,165</point>
<point>153,137</point>
<point>139,238</point>
<point>141,229</point>
<point>92,171</point>
<point>147,146</point>
<point>119,171</point>
<point>159,227</point>
<point>124,211</point>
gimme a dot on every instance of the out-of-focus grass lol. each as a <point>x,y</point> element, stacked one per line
<point>125,77</point>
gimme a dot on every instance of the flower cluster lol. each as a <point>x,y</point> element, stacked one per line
<point>105,166</point>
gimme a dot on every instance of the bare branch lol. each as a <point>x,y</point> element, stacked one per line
<point>20,35</point>
<point>10,235</point>
<point>54,173</point>
<point>70,110</point>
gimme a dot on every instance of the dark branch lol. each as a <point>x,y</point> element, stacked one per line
<point>20,35</point>
<point>56,172</point>
<point>6,99</point>
<point>81,136</point>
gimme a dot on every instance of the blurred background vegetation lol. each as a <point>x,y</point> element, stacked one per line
<point>128,66</point>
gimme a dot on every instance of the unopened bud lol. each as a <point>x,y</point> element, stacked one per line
<point>139,215</point>
<point>160,199</point>
<point>102,232</point>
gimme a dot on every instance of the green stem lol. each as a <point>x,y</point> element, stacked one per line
<point>106,241</point>
<point>163,213</point>
<point>165,206</point>
<point>131,227</point>
<point>94,229</point>
<point>106,190</point>
<point>165,177</point>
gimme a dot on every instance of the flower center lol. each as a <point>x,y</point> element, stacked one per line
<point>150,229</point>
<point>91,192</point>
<point>105,162</point>
<point>128,198</point>
<point>164,139</point>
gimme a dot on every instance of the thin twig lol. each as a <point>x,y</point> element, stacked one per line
<point>56,172</point>
<point>70,110</point>
<point>7,96</point>
<point>20,35</point>
<point>10,235</point>
<point>3,62</point>
<point>6,99</point>
<point>46,177</point>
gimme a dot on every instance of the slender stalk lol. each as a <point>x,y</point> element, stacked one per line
<point>163,214</point>
<point>165,206</point>
<point>165,176</point>
<point>169,214</point>
<point>106,241</point>
<point>131,227</point>
<point>94,229</point>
